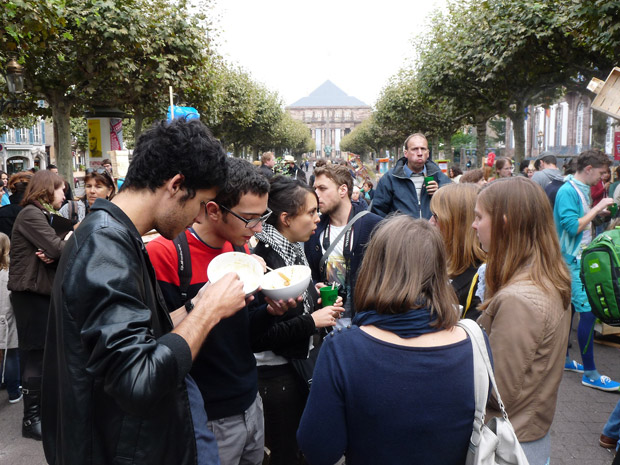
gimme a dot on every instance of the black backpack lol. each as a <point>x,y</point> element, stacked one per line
<point>552,189</point>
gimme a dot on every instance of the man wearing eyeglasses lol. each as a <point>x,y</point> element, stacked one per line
<point>225,369</point>
<point>408,186</point>
<point>116,387</point>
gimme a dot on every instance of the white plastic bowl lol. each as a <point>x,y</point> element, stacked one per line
<point>249,270</point>
<point>273,284</point>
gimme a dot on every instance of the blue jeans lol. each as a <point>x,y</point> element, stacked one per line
<point>612,427</point>
<point>9,372</point>
<point>206,446</point>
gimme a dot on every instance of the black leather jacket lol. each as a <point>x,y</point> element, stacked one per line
<point>113,375</point>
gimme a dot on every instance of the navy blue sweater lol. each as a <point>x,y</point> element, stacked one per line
<point>381,403</point>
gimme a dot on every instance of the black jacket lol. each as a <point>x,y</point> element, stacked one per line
<point>113,375</point>
<point>362,229</point>
<point>289,335</point>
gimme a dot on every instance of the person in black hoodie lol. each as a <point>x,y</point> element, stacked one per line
<point>285,371</point>
<point>8,213</point>
<point>333,185</point>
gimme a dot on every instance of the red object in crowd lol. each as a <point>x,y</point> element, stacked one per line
<point>491,158</point>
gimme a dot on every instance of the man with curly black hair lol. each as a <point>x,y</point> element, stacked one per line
<point>225,369</point>
<point>115,377</point>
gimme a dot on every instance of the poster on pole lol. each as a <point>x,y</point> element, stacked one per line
<point>617,145</point>
<point>94,138</point>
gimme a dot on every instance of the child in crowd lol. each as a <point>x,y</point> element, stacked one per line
<point>9,369</point>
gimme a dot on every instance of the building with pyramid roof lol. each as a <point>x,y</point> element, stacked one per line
<point>330,114</point>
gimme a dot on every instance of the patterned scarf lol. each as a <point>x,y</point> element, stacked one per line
<point>47,207</point>
<point>291,253</point>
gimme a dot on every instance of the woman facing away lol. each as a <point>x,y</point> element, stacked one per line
<point>282,381</point>
<point>452,209</point>
<point>97,185</point>
<point>35,251</point>
<point>398,386</point>
<point>526,311</point>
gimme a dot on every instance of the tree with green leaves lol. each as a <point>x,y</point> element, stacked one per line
<point>88,52</point>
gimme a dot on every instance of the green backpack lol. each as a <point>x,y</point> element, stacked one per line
<point>600,275</point>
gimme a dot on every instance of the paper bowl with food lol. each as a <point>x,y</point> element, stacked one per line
<point>250,271</point>
<point>287,282</point>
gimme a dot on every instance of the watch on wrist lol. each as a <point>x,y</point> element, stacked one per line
<point>189,305</point>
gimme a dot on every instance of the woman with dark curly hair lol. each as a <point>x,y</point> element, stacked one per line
<point>98,184</point>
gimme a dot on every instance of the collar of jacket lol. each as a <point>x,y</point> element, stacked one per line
<point>398,172</point>
<point>118,214</point>
<point>325,220</point>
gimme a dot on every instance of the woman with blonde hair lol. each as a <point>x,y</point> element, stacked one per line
<point>452,209</point>
<point>393,388</point>
<point>526,311</point>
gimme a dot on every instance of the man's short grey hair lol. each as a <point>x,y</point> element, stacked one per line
<point>416,134</point>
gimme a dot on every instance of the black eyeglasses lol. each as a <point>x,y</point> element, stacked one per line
<point>248,223</point>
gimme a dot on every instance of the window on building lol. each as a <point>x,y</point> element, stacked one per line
<point>558,126</point>
<point>347,114</point>
<point>24,134</point>
<point>579,138</point>
<point>36,133</point>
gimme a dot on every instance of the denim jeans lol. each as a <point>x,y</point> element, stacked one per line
<point>612,427</point>
<point>9,372</point>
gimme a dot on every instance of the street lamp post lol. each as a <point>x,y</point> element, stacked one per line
<point>540,139</point>
<point>15,83</point>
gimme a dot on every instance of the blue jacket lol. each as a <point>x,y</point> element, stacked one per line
<point>396,192</point>
<point>361,235</point>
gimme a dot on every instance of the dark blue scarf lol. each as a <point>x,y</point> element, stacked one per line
<point>406,325</point>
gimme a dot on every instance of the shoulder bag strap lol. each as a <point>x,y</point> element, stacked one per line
<point>332,246</point>
<point>481,378</point>
<point>184,264</point>
<point>477,338</point>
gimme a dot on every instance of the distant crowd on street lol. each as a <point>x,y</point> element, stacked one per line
<point>123,351</point>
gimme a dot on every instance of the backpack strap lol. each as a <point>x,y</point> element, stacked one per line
<point>73,211</point>
<point>470,295</point>
<point>332,246</point>
<point>184,264</point>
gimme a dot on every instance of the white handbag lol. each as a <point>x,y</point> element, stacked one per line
<point>495,442</point>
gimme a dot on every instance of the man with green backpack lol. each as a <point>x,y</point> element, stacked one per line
<point>573,216</point>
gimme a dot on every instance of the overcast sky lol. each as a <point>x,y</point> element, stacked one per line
<point>293,47</point>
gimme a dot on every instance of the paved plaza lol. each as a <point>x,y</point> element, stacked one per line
<point>579,419</point>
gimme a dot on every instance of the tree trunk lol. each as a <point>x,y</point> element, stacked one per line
<point>138,119</point>
<point>447,146</point>
<point>517,118</point>
<point>481,136</point>
<point>61,112</point>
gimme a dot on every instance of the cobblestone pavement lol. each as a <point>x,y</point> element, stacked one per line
<point>578,422</point>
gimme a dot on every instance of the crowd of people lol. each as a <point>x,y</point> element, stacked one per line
<point>123,352</point>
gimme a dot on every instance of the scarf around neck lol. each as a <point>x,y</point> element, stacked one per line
<point>42,204</point>
<point>291,252</point>
<point>410,324</point>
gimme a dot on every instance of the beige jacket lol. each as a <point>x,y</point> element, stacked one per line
<point>528,332</point>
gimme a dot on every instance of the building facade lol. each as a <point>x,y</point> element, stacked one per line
<point>330,114</point>
<point>563,129</point>
<point>24,148</point>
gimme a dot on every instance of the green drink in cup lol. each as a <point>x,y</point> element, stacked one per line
<point>329,294</point>
<point>428,179</point>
